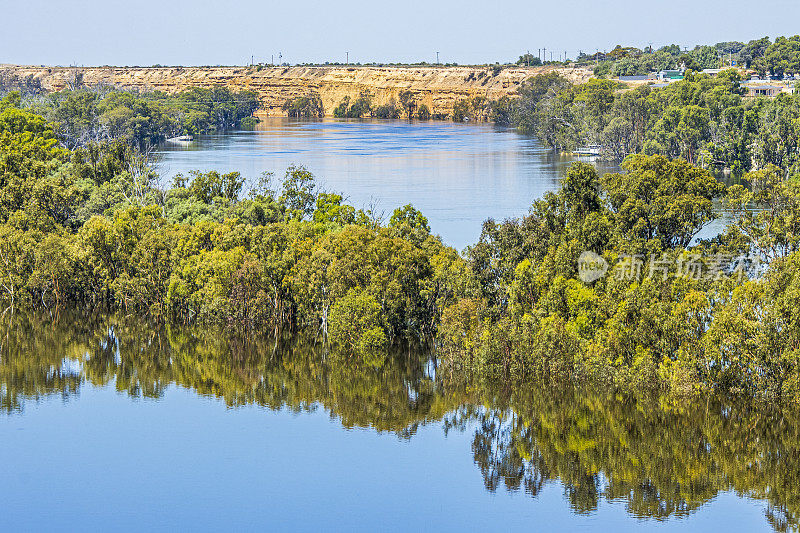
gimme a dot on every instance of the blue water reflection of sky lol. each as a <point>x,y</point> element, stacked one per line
<point>101,461</point>
<point>457,174</point>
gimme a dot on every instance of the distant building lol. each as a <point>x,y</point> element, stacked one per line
<point>670,75</point>
<point>712,71</point>
<point>763,90</point>
<point>632,78</point>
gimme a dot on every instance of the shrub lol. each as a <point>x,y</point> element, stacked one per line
<point>423,113</point>
<point>248,123</point>
<point>356,324</point>
<point>389,110</point>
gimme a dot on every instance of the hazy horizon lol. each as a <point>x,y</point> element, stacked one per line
<point>187,33</point>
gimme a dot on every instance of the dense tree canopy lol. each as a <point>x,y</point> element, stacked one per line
<point>85,115</point>
<point>781,57</point>
<point>764,55</point>
<point>670,311</point>
<point>94,227</point>
<point>701,119</point>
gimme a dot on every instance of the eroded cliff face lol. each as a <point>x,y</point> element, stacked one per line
<point>437,87</point>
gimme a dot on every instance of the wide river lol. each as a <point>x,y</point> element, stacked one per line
<point>458,175</point>
<point>107,423</point>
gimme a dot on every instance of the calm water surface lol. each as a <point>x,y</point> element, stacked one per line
<point>111,424</point>
<point>456,174</point>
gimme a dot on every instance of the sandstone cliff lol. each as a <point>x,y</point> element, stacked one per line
<point>437,87</point>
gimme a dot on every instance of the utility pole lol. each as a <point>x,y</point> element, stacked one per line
<point>437,58</point>
<point>551,57</point>
<point>347,61</point>
<point>539,55</point>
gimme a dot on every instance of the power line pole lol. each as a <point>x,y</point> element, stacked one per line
<point>347,60</point>
<point>437,58</point>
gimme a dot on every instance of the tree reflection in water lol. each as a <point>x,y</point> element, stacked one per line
<point>661,457</point>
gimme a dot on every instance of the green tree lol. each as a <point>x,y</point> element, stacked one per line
<point>754,50</point>
<point>298,194</point>
<point>660,204</point>
<point>529,60</point>
<point>773,229</point>
<point>356,322</point>
<point>409,103</point>
<point>781,57</point>
<point>423,113</point>
<point>208,186</point>
<point>304,107</point>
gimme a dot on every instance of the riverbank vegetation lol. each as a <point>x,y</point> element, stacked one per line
<point>304,107</point>
<point>83,116</point>
<point>701,119</point>
<point>95,227</point>
<point>363,107</point>
<point>670,312</point>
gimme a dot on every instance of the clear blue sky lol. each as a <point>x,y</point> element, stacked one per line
<point>200,32</point>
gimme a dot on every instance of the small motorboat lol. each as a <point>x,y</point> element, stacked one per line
<point>180,139</point>
<point>591,150</point>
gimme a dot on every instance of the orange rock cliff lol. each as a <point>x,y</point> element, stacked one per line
<point>437,87</point>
